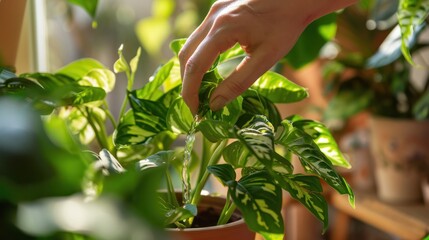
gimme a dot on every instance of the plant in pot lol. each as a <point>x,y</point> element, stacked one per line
<point>248,133</point>
<point>250,136</point>
<point>381,84</point>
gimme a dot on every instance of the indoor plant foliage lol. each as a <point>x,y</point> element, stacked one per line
<point>248,134</point>
<point>381,81</point>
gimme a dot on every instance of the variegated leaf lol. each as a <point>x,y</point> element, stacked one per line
<point>313,160</point>
<point>411,13</point>
<point>151,90</point>
<point>258,198</point>
<point>215,131</point>
<point>324,140</point>
<point>149,115</point>
<point>260,201</point>
<point>308,191</point>
<point>258,136</point>
<point>239,156</point>
<point>179,117</point>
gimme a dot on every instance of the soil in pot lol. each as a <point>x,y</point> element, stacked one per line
<point>204,225</point>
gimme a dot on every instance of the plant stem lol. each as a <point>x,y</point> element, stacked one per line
<point>130,78</point>
<point>227,211</point>
<point>109,114</point>
<point>98,128</point>
<point>215,157</point>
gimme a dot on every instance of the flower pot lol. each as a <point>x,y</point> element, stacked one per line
<point>401,154</point>
<point>231,231</point>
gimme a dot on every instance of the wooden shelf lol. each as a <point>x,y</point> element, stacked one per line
<point>403,221</point>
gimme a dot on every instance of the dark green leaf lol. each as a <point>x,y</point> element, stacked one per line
<point>258,136</point>
<point>224,172</point>
<point>349,101</point>
<point>239,156</point>
<point>260,201</point>
<point>312,159</point>
<point>308,191</point>
<point>255,104</point>
<point>421,108</point>
<point>149,115</point>
<point>324,140</point>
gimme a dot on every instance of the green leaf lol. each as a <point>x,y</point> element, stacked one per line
<point>121,65</point>
<point>258,136</point>
<point>312,159</point>
<point>239,156</point>
<point>176,215</point>
<point>30,91</point>
<point>224,172</point>
<point>234,52</point>
<point>78,122</point>
<point>279,89</point>
<point>156,160</point>
<point>210,81</point>
<point>78,69</point>
<point>177,44</point>
<point>421,108</point>
<point>135,61</point>
<point>179,117</point>
<point>350,99</point>
<point>151,90</point>
<point>215,130</point>
<point>308,191</point>
<point>260,201</point>
<point>102,78</point>
<point>90,6</point>
<point>254,104</point>
<point>149,115</point>
<point>108,162</point>
<point>324,140</point>
<point>128,133</point>
<point>411,13</point>
<point>313,38</point>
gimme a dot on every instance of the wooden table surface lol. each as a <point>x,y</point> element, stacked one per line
<point>403,221</point>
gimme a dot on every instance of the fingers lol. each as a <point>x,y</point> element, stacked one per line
<point>249,70</point>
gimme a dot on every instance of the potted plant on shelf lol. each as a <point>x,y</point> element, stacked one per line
<point>248,133</point>
<point>381,85</point>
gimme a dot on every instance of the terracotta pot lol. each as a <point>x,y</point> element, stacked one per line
<point>401,154</point>
<point>230,231</point>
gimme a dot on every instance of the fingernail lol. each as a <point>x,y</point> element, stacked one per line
<point>217,103</point>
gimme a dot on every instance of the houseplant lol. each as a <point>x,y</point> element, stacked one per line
<point>380,84</point>
<point>157,116</point>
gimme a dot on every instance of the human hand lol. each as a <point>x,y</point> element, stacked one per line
<point>265,29</point>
